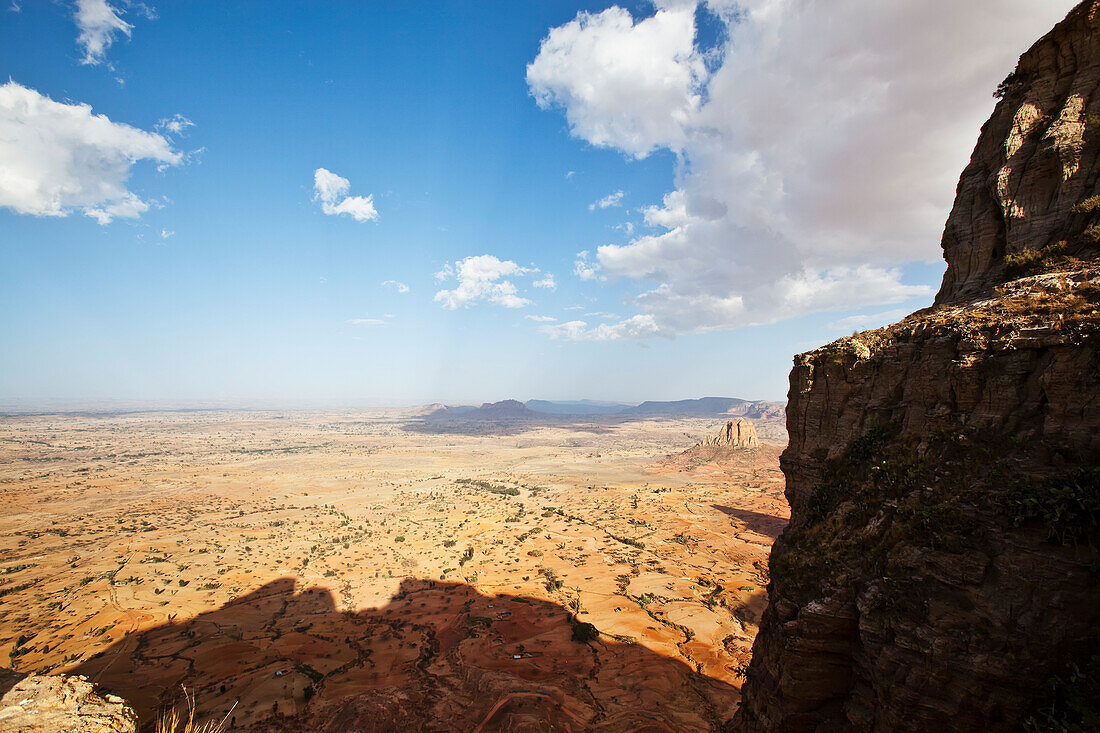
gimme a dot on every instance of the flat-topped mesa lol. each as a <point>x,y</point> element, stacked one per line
<point>739,433</point>
<point>1027,202</point>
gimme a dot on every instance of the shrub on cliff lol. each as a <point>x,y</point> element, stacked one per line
<point>583,632</point>
<point>1067,504</point>
<point>1072,702</point>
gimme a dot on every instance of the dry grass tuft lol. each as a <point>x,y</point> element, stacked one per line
<point>172,721</point>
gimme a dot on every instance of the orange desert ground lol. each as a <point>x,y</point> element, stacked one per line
<point>308,570</point>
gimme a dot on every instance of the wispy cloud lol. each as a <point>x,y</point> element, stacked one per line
<point>331,190</point>
<point>547,282</point>
<point>871,320</point>
<point>612,199</point>
<point>584,269</point>
<point>367,321</point>
<point>99,24</point>
<point>541,319</point>
<point>175,125</point>
<point>635,327</point>
<point>398,286</point>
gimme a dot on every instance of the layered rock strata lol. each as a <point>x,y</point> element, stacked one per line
<point>939,570</point>
<point>739,433</point>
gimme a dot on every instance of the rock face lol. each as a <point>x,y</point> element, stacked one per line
<point>943,473</point>
<point>60,703</point>
<point>739,433</point>
<point>1034,165</point>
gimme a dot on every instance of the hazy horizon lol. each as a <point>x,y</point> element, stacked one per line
<point>123,406</point>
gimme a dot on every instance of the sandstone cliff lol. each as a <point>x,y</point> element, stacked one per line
<point>739,433</point>
<point>939,570</point>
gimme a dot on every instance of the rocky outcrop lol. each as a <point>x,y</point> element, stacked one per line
<point>739,433</point>
<point>939,569</point>
<point>60,703</point>
<point>1031,177</point>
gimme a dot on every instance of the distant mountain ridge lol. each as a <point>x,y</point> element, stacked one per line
<point>577,407</point>
<point>701,407</point>
<point>505,409</point>
<point>712,407</point>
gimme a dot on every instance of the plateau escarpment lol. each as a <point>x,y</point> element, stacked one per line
<point>939,569</point>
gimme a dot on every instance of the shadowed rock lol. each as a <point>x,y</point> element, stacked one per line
<point>439,656</point>
<point>938,572</point>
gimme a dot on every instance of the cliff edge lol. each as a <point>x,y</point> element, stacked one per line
<point>47,704</point>
<point>940,567</point>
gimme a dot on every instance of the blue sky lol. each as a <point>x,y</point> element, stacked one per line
<point>765,205</point>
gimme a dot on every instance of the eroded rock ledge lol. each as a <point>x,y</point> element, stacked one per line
<point>33,703</point>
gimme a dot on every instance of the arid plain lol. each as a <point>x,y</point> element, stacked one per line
<point>307,570</point>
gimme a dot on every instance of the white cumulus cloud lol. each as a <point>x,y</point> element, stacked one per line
<point>541,319</point>
<point>482,278</point>
<point>57,158</point>
<point>332,191</point>
<point>606,71</point>
<point>816,156</point>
